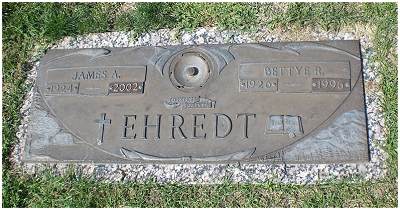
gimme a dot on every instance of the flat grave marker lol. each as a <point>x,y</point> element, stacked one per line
<point>289,102</point>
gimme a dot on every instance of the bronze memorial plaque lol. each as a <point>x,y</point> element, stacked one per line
<point>293,102</point>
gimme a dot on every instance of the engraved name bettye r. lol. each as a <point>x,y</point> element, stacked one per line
<point>293,70</point>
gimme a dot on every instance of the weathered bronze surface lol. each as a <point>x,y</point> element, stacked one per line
<point>297,102</point>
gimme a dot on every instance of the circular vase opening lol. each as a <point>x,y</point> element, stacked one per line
<point>190,70</point>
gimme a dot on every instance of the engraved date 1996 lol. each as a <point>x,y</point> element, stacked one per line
<point>330,84</point>
<point>126,87</point>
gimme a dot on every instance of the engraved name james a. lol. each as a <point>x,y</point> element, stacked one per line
<point>95,75</point>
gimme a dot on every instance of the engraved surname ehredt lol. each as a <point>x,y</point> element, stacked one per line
<point>193,126</point>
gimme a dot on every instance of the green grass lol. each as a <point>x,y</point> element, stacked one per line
<point>385,46</point>
<point>28,27</point>
<point>73,191</point>
<point>153,16</point>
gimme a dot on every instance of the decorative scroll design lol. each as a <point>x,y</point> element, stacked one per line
<point>266,46</point>
<point>93,53</point>
<point>133,154</point>
<point>162,55</point>
<point>221,55</point>
<point>296,47</point>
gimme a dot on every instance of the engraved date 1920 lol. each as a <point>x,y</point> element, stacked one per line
<point>126,87</point>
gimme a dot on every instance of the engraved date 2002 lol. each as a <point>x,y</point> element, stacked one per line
<point>126,87</point>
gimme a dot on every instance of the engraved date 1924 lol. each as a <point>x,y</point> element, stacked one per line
<point>126,87</point>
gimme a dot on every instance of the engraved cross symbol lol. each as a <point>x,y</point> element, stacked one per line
<point>102,121</point>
